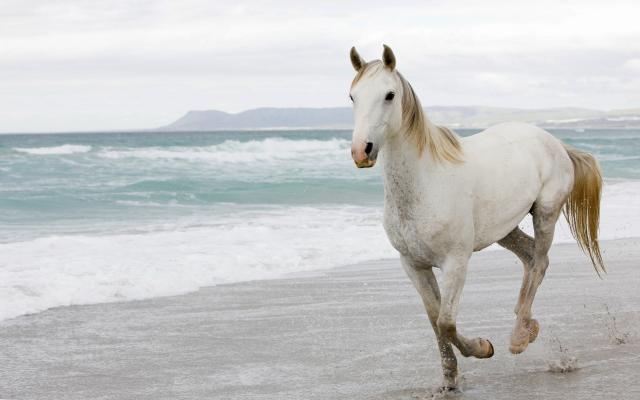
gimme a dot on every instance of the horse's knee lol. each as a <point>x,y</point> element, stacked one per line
<point>447,327</point>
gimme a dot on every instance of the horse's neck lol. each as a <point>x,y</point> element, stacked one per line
<point>405,170</point>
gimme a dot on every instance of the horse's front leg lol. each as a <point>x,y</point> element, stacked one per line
<point>427,286</point>
<point>455,272</point>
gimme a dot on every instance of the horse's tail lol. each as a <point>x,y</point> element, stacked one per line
<point>582,208</point>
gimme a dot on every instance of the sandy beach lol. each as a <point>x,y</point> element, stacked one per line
<point>355,332</point>
<point>206,200</point>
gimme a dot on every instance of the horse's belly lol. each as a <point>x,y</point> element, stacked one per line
<point>488,235</point>
<point>495,219</point>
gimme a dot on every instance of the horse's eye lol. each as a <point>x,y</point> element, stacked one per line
<point>389,96</point>
<point>351,97</point>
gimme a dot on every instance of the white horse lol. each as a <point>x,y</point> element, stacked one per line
<point>446,197</point>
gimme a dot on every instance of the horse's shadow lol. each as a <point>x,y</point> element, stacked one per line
<point>532,382</point>
<point>424,393</point>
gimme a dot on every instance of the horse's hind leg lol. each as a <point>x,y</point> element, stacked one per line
<point>523,246</point>
<point>544,222</point>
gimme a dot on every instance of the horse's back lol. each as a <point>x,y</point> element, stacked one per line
<point>515,145</point>
<point>517,137</point>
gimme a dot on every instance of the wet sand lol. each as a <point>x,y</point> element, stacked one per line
<point>356,332</point>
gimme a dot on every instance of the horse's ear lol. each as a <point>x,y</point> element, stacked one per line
<point>356,60</point>
<point>388,58</point>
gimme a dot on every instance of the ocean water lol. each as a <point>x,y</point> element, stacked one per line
<point>99,217</point>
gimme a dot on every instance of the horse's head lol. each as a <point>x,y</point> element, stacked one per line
<point>376,93</point>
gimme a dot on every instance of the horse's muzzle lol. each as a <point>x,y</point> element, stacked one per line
<point>364,156</point>
<point>366,163</point>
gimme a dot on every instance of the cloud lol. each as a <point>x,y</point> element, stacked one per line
<point>70,65</point>
<point>632,65</point>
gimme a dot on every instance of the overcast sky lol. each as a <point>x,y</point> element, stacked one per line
<point>101,65</point>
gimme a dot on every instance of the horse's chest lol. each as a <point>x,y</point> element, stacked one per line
<point>409,234</point>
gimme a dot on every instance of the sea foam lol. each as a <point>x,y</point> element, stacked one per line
<point>82,269</point>
<point>234,151</point>
<point>55,150</point>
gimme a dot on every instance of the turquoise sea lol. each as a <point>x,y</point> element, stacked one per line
<point>93,217</point>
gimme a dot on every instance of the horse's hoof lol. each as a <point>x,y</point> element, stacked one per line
<point>518,345</point>
<point>446,389</point>
<point>534,328</point>
<point>487,349</point>
<point>519,339</point>
<point>518,348</point>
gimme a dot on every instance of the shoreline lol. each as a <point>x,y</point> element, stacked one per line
<point>285,275</point>
<point>354,332</point>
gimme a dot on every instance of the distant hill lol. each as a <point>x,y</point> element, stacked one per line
<point>456,117</point>
<point>264,118</point>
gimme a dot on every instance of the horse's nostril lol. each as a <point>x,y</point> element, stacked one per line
<point>368,148</point>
